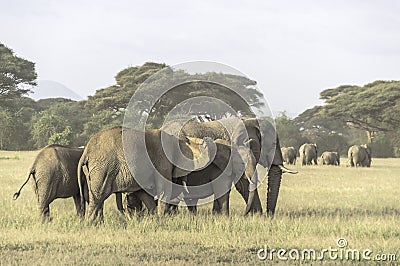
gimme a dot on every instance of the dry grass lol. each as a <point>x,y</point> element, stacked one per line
<point>315,208</point>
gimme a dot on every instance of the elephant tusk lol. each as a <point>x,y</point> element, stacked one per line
<point>285,170</point>
<point>185,186</point>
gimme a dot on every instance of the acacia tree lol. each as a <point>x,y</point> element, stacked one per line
<point>15,74</point>
<point>116,98</point>
<point>373,108</point>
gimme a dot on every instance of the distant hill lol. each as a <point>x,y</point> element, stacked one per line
<point>53,89</point>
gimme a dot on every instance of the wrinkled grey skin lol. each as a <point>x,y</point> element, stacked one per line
<point>261,132</point>
<point>105,166</point>
<point>330,158</point>
<point>289,155</point>
<point>217,178</point>
<point>54,176</point>
<point>308,154</point>
<point>360,155</point>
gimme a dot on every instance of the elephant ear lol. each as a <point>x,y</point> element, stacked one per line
<point>195,154</point>
<point>222,156</point>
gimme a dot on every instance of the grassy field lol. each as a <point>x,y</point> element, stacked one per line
<point>315,208</point>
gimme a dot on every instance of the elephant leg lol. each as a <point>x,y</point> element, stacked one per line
<point>95,211</point>
<point>134,204</point>
<point>118,201</point>
<point>256,206</point>
<point>216,209</point>
<point>221,189</point>
<point>191,205</point>
<point>148,201</point>
<point>44,211</point>
<point>223,203</point>
<point>78,206</point>
<point>44,207</point>
<point>96,204</point>
<point>170,209</point>
<point>274,183</point>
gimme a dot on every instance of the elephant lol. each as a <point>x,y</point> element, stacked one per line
<point>231,165</point>
<point>54,176</point>
<point>330,158</point>
<point>360,155</point>
<point>265,148</point>
<point>308,154</point>
<point>127,160</point>
<point>289,155</point>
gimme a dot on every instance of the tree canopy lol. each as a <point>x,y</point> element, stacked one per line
<point>347,113</point>
<point>215,85</point>
<point>15,74</point>
<point>373,107</point>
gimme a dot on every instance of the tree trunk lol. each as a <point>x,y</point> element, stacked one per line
<point>370,136</point>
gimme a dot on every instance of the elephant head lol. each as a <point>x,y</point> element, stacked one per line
<point>186,155</point>
<point>267,152</point>
<point>238,162</point>
<point>265,147</point>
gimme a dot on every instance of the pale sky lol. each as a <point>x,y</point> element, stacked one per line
<point>293,49</point>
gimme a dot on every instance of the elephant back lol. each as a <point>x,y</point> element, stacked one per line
<point>193,128</point>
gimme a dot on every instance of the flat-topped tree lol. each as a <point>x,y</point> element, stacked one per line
<point>373,107</point>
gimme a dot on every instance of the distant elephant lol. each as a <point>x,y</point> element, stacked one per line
<point>289,155</point>
<point>265,147</point>
<point>231,165</point>
<point>308,154</point>
<point>112,167</point>
<point>360,155</point>
<point>330,158</point>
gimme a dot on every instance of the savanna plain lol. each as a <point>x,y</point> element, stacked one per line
<point>316,207</point>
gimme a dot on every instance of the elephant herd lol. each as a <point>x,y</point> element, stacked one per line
<point>358,155</point>
<point>184,160</point>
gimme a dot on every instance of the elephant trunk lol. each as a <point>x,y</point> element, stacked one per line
<point>249,202</point>
<point>253,194</point>
<point>274,183</point>
<point>242,186</point>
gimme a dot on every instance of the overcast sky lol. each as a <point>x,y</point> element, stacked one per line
<point>293,49</point>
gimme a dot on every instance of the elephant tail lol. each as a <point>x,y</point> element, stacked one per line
<point>16,194</point>
<point>82,182</point>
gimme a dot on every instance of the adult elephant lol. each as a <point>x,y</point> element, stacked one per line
<point>265,148</point>
<point>360,155</point>
<point>128,160</point>
<point>308,154</point>
<point>231,165</point>
<point>54,176</point>
<point>330,158</point>
<point>289,155</point>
